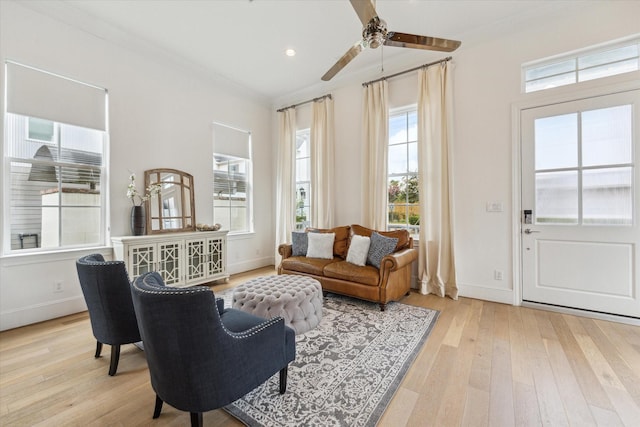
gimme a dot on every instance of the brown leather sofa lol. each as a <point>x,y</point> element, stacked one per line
<point>391,282</point>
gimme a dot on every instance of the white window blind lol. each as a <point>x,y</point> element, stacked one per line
<point>35,93</point>
<point>231,142</point>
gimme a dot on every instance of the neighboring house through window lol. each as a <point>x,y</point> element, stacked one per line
<point>232,179</point>
<point>303,179</point>
<point>403,206</point>
<point>54,170</point>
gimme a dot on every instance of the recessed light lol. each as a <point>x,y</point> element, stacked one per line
<point>290,52</point>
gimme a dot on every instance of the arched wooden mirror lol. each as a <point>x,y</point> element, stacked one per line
<point>174,208</point>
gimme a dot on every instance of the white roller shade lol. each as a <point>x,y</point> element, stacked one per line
<point>36,93</point>
<point>231,141</point>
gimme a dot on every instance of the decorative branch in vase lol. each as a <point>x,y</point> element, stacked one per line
<point>138,214</point>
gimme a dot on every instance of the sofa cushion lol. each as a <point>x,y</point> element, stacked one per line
<point>358,250</point>
<point>380,247</point>
<point>341,242</point>
<point>301,264</point>
<point>320,245</point>
<point>402,235</point>
<point>366,275</point>
<point>299,243</point>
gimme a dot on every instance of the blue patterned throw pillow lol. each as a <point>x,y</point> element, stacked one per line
<point>299,243</point>
<point>380,247</point>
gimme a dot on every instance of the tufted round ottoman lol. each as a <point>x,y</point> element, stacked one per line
<point>298,299</point>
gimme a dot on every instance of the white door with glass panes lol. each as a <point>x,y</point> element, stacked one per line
<point>580,195</point>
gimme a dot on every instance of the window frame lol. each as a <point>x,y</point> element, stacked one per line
<point>301,184</point>
<point>413,229</point>
<point>55,143</point>
<point>576,57</point>
<point>249,211</point>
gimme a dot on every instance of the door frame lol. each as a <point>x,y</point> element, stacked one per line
<point>568,94</point>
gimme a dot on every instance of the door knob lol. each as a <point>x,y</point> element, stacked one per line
<point>529,231</point>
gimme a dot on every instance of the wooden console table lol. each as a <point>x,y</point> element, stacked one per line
<point>182,259</point>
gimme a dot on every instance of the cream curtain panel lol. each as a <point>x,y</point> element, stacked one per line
<point>436,265</point>
<point>322,163</point>
<point>375,129</point>
<point>285,178</point>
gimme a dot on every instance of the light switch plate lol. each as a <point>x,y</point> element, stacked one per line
<point>494,207</point>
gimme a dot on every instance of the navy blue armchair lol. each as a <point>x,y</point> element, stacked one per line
<point>107,292</point>
<point>201,356</point>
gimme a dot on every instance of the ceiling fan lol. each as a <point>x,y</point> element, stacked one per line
<point>375,34</point>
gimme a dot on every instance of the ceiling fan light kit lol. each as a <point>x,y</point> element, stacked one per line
<point>375,34</point>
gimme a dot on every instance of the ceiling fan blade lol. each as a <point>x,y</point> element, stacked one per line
<point>421,42</point>
<point>342,62</point>
<point>365,10</point>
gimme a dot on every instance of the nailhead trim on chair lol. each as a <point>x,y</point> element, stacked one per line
<point>86,261</point>
<point>198,289</point>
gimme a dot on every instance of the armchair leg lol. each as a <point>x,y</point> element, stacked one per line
<point>196,419</point>
<point>158,408</point>
<point>283,379</point>
<point>98,349</point>
<point>115,357</point>
<point>383,306</point>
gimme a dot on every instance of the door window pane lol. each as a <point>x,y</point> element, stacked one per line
<point>607,197</point>
<point>606,136</point>
<point>556,142</point>
<point>557,197</point>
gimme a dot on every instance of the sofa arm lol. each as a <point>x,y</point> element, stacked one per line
<point>397,260</point>
<point>285,250</point>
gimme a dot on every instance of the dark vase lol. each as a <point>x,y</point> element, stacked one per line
<point>138,220</point>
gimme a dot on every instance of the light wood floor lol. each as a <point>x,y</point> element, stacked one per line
<point>485,364</point>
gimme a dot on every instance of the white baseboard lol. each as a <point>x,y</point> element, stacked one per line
<point>504,296</point>
<point>244,266</point>
<point>40,312</point>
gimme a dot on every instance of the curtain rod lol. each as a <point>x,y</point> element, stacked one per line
<point>305,102</point>
<point>448,58</point>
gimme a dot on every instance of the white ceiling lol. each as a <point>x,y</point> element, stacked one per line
<point>242,42</point>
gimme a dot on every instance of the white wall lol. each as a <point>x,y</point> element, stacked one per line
<point>160,115</point>
<point>486,85</point>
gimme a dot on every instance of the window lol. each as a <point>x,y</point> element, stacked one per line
<point>402,170</point>
<point>584,167</point>
<point>232,179</point>
<point>303,179</point>
<point>53,175</point>
<point>587,65</point>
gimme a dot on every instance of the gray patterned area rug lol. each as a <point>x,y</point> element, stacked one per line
<point>346,370</point>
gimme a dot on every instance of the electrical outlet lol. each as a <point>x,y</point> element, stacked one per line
<point>498,274</point>
<point>57,286</point>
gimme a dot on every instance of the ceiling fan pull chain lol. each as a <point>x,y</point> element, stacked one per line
<point>382,59</point>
